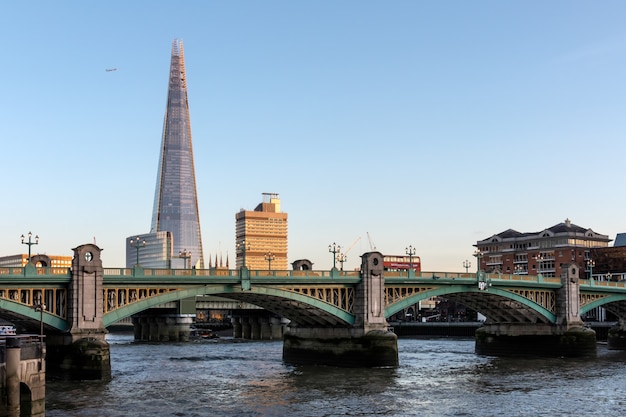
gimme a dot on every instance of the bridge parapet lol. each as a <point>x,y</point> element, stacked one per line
<point>221,273</point>
<point>32,271</point>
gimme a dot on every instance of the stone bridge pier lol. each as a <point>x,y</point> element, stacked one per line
<point>366,343</point>
<point>81,352</point>
<point>567,337</point>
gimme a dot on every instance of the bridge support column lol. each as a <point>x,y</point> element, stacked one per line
<point>237,327</point>
<point>13,358</point>
<point>567,337</point>
<point>277,328</point>
<point>255,328</point>
<point>265,326</point>
<point>162,327</point>
<point>246,328</point>
<point>366,343</point>
<point>616,339</point>
<point>82,352</point>
<point>153,333</point>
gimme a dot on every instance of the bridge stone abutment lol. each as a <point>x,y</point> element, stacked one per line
<point>566,337</point>
<point>22,377</point>
<point>81,352</point>
<point>368,342</point>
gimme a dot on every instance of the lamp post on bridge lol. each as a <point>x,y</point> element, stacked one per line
<point>341,258</point>
<point>467,265</point>
<point>482,285</point>
<point>590,264</point>
<point>185,255</point>
<point>244,246</point>
<point>30,242</point>
<point>269,257</point>
<point>411,252</point>
<point>40,306</point>
<point>334,249</point>
<point>137,244</point>
<point>539,259</point>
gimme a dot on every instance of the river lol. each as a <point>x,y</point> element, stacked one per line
<point>436,377</point>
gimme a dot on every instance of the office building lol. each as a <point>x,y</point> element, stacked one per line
<point>545,252</point>
<point>261,236</point>
<point>38,260</point>
<point>175,198</point>
<point>152,250</point>
<point>609,264</point>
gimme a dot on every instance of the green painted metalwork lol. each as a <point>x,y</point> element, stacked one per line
<point>28,312</point>
<point>612,298</point>
<point>443,290</point>
<point>232,290</point>
<point>270,289</point>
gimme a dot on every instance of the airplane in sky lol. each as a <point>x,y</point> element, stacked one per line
<point>110,69</point>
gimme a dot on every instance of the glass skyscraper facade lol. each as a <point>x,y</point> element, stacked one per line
<point>175,198</point>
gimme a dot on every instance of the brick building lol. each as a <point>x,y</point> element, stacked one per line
<point>544,252</point>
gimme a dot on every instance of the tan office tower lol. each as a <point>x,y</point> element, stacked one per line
<point>261,236</point>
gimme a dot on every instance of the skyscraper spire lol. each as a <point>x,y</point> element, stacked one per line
<point>175,198</point>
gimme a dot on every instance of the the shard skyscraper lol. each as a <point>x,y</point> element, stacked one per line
<point>175,198</point>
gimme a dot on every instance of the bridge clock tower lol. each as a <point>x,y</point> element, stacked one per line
<point>82,350</point>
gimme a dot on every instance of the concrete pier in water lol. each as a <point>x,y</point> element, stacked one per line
<point>567,337</point>
<point>367,343</point>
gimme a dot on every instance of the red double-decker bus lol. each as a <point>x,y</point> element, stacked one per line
<point>402,263</point>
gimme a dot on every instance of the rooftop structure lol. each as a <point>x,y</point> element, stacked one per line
<point>261,235</point>
<point>544,252</point>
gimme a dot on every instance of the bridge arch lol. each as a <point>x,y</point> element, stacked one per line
<point>298,308</point>
<point>29,317</point>
<point>496,304</point>
<point>616,303</point>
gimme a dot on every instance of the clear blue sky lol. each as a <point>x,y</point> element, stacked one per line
<point>432,124</point>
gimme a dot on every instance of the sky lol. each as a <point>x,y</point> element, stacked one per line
<point>380,124</point>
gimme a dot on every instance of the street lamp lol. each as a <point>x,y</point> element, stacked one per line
<point>137,244</point>
<point>467,264</point>
<point>478,254</point>
<point>518,269</point>
<point>185,255</point>
<point>334,249</point>
<point>482,285</point>
<point>342,258</point>
<point>591,263</point>
<point>411,252</point>
<point>40,306</point>
<point>30,242</point>
<point>538,259</point>
<point>244,247</point>
<point>269,257</point>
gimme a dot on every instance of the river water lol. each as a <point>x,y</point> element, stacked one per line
<point>436,377</point>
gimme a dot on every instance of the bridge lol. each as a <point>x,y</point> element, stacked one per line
<point>83,300</point>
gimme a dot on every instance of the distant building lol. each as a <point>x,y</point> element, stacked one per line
<point>545,252</point>
<point>175,198</point>
<point>609,264</point>
<point>262,233</point>
<point>39,260</point>
<point>157,252</point>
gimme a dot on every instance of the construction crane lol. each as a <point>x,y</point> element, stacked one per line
<point>343,257</point>
<point>372,246</point>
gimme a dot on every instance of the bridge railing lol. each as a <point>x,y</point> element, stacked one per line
<point>471,276</point>
<point>234,273</point>
<point>25,270</point>
<point>605,284</point>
